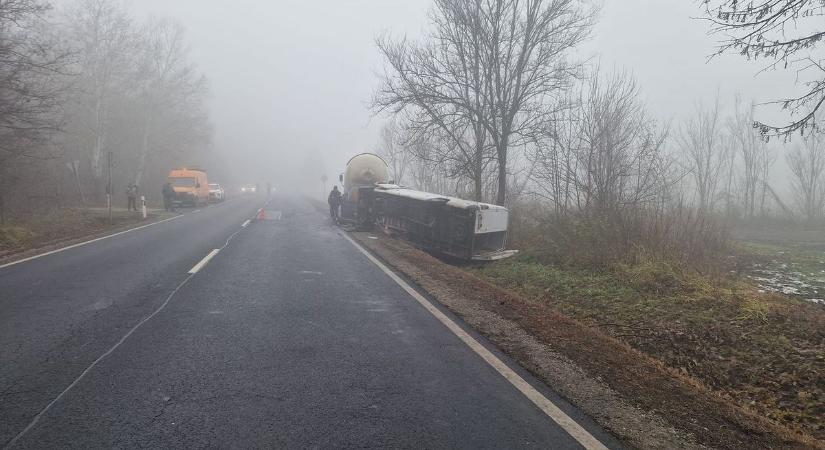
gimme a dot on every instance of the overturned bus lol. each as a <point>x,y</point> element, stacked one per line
<point>439,223</point>
<point>449,225</point>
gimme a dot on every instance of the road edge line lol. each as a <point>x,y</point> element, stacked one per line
<point>80,244</point>
<point>576,431</point>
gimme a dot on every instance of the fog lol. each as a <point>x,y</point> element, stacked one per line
<point>291,80</point>
<point>286,92</point>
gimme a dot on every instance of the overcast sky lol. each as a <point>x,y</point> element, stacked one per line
<point>295,76</point>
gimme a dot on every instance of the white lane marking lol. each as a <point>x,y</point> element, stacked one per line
<point>245,224</point>
<point>196,211</point>
<point>94,363</point>
<point>557,415</point>
<point>203,262</point>
<point>114,347</point>
<point>79,244</point>
<point>311,272</point>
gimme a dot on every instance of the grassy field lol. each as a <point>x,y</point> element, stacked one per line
<point>765,351</point>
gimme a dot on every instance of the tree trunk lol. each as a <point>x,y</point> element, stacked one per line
<point>501,195</point>
<point>97,149</point>
<point>144,151</point>
<point>75,168</point>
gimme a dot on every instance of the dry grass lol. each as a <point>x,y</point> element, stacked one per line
<point>632,236</point>
<point>716,418</point>
<point>661,283</point>
<point>761,350</point>
<point>60,225</point>
<point>15,237</point>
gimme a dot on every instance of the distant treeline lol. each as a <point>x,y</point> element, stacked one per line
<point>86,81</point>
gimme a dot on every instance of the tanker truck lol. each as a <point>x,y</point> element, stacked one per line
<point>443,224</point>
<point>362,173</point>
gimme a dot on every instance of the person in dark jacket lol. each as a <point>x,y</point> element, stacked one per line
<point>131,195</point>
<point>168,196</point>
<point>334,200</point>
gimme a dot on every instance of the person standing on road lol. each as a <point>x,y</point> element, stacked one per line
<point>334,200</point>
<point>131,195</point>
<point>168,197</point>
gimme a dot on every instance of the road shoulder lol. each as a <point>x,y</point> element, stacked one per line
<point>80,238</point>
<point>630,394</point>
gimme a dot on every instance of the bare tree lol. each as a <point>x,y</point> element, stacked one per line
<point>556,162</point>
<point>807,163</point>
<point>493,70</point>
<point>105,41</point>
<point>784,32</point>
<point>728,171</point>
<point>620,161</point>
<point>753,153</point>
<point>423,172</point>
<point>171,95</point>
<point>525,53</point>
<point>392,149</point>
<point>766,160</point>
<point>700,140</point>
<point>439,85</point>
<point>31,90</point>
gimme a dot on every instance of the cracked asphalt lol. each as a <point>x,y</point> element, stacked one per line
<point>289,338</point>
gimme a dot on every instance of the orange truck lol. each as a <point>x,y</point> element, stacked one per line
<point>190,185</point>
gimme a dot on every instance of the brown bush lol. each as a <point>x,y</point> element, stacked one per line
<point>677,235</point>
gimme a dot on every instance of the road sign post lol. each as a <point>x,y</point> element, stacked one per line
<point>109,185</point>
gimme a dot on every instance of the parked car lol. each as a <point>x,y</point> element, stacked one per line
<point>248,189</point>
<point>216,193</point>
<point>190,185</point>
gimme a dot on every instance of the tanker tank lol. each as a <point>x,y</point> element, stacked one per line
<point>365,170</point>
<point>362,173</point>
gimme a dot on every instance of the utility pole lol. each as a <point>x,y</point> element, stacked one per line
<point>109,185</point>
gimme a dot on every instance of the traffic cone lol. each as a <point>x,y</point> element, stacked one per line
<point>261,214</point>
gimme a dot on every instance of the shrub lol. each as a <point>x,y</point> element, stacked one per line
<point>677,236</point>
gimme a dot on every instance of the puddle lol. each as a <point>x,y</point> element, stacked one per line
<point>793,280</point>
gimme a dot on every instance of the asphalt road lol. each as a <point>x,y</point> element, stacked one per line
<point>288,337</point>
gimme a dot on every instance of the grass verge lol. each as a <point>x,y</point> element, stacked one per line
<point>62,225</point>
<point>763,351</point>
<point>521,291</point>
